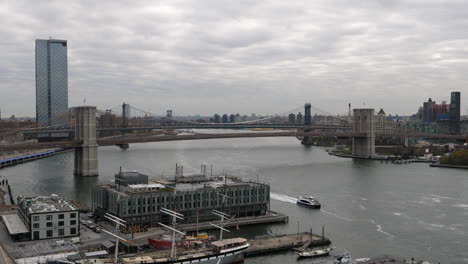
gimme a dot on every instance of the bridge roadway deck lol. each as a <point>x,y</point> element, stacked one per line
<point>191,126</point>
<point>143,139</point>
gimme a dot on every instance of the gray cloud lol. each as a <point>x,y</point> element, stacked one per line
<point>211,56</point>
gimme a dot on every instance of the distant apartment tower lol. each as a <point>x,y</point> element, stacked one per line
<point>454,113</point>
<point>292,118</point>
<point>299,118</point>
<point>107,120</point>
<point>51,83</point>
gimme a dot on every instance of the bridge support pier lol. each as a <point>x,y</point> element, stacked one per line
<point>86,163</point>
<point>307,140</point>
<point>364,140</point>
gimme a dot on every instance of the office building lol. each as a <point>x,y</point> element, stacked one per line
<point>292,118</point>
<point>454,113</point>
<point>299,118</point>
<point>107,120</point>
<point>51,84</point>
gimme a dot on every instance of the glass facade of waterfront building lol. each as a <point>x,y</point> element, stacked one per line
<point>142,207</point>
<point>51,83</point>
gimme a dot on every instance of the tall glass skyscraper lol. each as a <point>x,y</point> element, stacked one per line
<point>51,82</point>
<point>454,113</point>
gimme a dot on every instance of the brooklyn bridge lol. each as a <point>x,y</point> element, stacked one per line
<point>360,127</point>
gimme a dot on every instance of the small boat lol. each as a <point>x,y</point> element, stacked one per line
<point>362,260</point>
<point>308,201</point>
<point>315,253</point>
<point>341,259</point>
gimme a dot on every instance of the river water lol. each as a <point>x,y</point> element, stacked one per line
<point>368,208</point>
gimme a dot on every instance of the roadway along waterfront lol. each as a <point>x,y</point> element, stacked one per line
<point>368,209</point>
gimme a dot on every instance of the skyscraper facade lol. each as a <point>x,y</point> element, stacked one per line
<point>51,83</point>
<point>454,113</point>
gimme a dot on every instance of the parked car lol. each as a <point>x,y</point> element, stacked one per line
<point>97,229</point>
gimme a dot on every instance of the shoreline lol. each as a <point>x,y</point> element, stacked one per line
<point>438,165</point>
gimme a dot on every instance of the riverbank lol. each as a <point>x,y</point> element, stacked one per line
<point>12,160</point>
<point>448,166</point>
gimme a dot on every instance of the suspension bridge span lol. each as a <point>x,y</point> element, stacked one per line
<point>361,129</point>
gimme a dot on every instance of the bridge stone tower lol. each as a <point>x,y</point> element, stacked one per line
<point>364,127</point>
<point>86,163</point>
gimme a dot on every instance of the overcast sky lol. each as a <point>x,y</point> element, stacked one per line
<point>206,57</point>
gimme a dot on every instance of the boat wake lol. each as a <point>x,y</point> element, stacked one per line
<point>379,229</point>
<point>443,197</point>
<point>283,198</point>
<point>289,199</point>
<point>337,216</point>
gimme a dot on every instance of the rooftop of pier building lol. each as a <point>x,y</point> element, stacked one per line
<point>143,185</point>
<point>43,204</point>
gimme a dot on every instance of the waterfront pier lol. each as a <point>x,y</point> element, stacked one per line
<point>265,245</point>
<point>270,218</point>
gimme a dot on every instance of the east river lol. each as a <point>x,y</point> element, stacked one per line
<point>369,208</point>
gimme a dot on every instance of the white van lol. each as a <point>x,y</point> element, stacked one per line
<point>75,240</point>
<point>60,242</point>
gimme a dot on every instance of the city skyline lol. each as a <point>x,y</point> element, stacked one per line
<point>204,58</point>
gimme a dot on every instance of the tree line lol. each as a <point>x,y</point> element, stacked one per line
<point>456,158</point>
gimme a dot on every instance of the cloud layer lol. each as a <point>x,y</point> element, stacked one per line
<point>211,56</point>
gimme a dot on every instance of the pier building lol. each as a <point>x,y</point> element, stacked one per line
<point>140,204</point>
